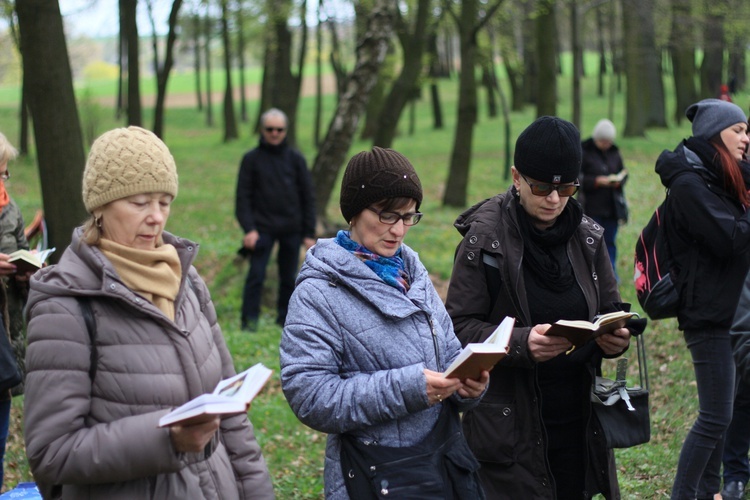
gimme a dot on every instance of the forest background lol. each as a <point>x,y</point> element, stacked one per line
<point>202,80</point>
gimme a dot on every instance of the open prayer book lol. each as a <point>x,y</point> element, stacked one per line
<point>581,331</point>
<point>231,396</point>
<point>479,356</point>
<point>26,261</point>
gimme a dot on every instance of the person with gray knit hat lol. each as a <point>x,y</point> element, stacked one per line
<point>366,341</point>
<point>708,234</point>
<point>124,329</point>
<point>603,177</point>
<point>530,253</point>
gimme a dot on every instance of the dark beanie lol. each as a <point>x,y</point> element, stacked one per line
<point>711,116</point>
<point>549,150</point>
<point>373,176</point>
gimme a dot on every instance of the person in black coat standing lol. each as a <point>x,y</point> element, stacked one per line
<point>603,177</point>
<point>708,231</point>
<point>275,203</point>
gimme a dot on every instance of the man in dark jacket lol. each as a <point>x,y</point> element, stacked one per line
<point>275,203</point>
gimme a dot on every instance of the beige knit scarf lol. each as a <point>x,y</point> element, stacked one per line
<point>153,274</point>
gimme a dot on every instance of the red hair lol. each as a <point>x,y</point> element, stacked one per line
<point>733,181</point>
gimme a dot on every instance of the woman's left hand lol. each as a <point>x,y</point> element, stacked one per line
<point>615,342</point>
<point>471,388</point>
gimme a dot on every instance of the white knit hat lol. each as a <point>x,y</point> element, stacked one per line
<point>604,130</point>
<point>124,162</point>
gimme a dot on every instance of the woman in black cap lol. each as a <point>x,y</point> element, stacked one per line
<point>708,232</point>
<point>530,253</point>
<point>364,344</point>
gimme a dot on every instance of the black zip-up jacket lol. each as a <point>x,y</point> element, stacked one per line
<point>505,431</point>
<point>708,232</point>
<point>275,192</point>
<point>599,201</point>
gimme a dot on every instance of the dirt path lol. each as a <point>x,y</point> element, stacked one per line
<point>252,93</point>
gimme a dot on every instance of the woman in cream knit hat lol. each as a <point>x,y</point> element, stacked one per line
<point>95,393</point>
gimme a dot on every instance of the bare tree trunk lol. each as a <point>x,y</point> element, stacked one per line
<point>546,92</point>
<point>239,19</point>
<point>530,64</point>
<point>230,121</point>
<point>335,58</point>
<point>712,67</point>
<point>413,43</point>
<point>635,112</point>
<point>488,82</point>
<point>435,68</point>
<point>371,50</point>
<point>682,51</point>
<point>197,59</point>
<point>207,32</point>
<point>163,74</point>
<point>130,29</point>
<point>49,87</point>
<point>577,48</point>
<point>121,50</point>
<point>318,76</point>
<point>469,24</point>
<point>602,73</point>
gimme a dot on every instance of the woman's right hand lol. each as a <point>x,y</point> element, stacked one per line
<point>544,348</point>
<point>440,388</point>
<point>193,438</point>
<point>6,267</point>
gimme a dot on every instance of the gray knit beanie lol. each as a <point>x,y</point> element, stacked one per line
<point>373,176</point>
<point>604,130</point>
<point>549,150</point>
<point>124,162</point>
<point>711,116</point>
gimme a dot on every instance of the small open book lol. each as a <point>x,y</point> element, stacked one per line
<point>26,261</point>
<point>479,356</point>
<point>232,395</point>
<point>581,331</point>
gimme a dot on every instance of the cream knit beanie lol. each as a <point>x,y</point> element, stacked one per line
<point>124,162</point>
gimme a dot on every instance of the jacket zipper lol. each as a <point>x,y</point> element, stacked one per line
<point>435,343</point>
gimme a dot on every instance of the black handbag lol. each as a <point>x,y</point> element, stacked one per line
<point>441,466</point>
<point>623,412</point>
<point>10,375</point>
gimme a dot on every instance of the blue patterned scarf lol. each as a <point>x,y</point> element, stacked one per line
<point>389,269</point>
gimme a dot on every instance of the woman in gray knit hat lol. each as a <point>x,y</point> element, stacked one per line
<point>121,331</point>
<point>708,231</point>
<point>365,342</point>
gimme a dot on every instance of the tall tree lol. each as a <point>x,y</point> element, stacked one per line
<point>371,51</point>
<point>196,32</point>
<point>545,38</point>
<point>230,120</point>
<point>469,21</point>
<point>7,11</point>
<point>286,80</point>
<point>412,34</point>
<point>162,75</point>
<point>207,34</point>
<point>645,91</point>
<point>712,67</point>
<point>241,46</point>
<point>59,142</point>
<point>129,35</point>
<point>682,52</point>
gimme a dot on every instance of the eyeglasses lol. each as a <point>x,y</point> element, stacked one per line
<point>393,217</point>
<point>563,190</point>
<point>275,129</point>
<point>5,176</point>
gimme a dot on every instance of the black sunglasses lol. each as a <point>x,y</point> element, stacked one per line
<point>563,190</point>
<point>275,129</point>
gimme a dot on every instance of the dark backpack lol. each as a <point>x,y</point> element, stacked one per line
<point>654,287</point>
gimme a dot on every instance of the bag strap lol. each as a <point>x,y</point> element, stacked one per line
<point>88,317</point>
<point>642,363</point>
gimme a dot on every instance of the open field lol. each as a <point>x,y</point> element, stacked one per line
<point>203,211</point>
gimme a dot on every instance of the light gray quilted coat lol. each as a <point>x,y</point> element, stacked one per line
<point>354,349</point>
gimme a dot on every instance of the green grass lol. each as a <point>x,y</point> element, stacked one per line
<point>203,211</point>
